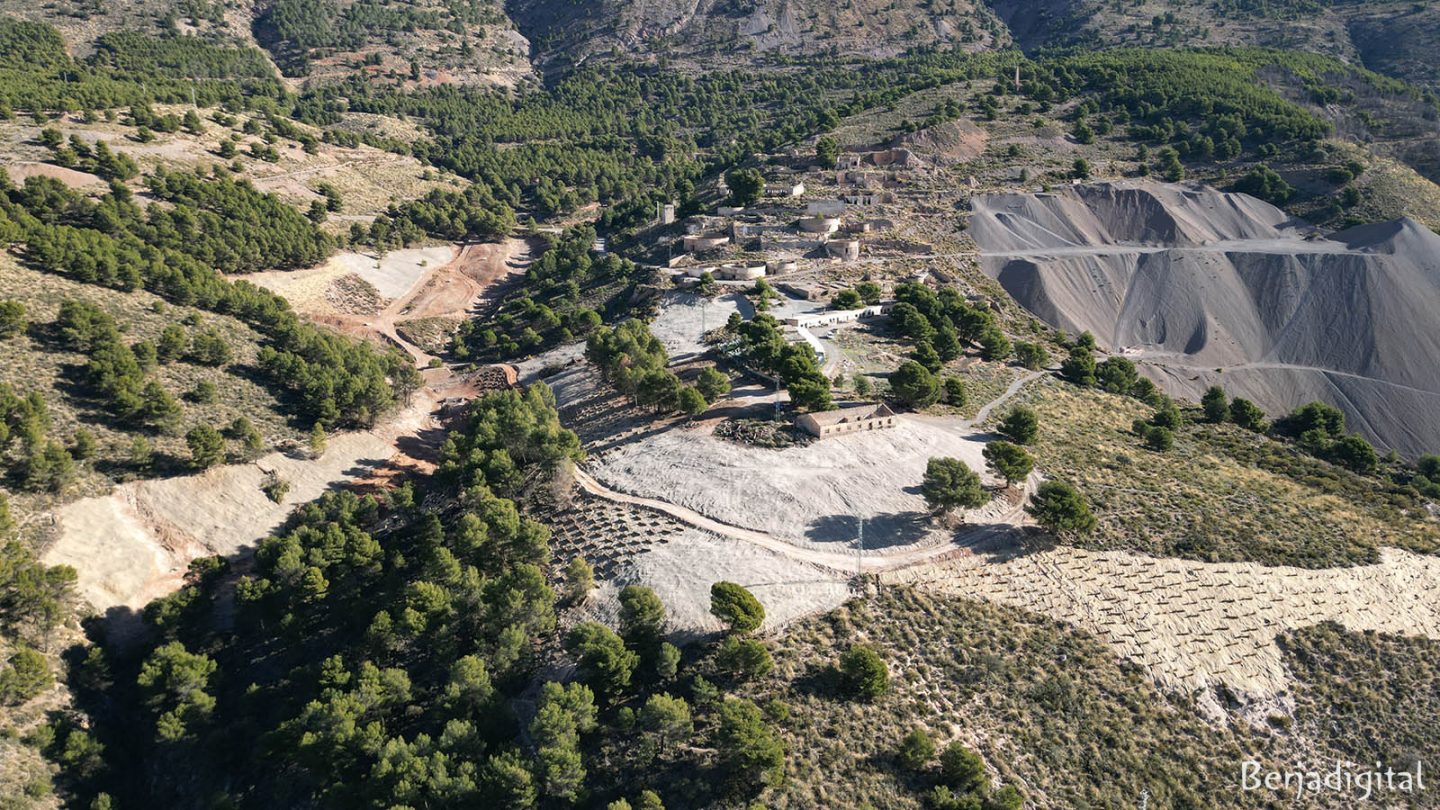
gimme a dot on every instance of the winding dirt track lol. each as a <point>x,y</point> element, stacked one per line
<point>134,544</point>
<point>836,560</point>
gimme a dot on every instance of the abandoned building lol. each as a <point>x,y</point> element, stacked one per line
<point>699,243</point>
<point>729,271</point>
<point>846,420</point>
<point>825,208</point>
<point>784,188</point>
<point>820,224</point>
<point>838,316</point>
<point>846,250</point>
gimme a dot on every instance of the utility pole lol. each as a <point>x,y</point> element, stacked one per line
<point>860,551</point>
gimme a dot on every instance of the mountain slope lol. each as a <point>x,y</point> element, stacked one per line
<point>416,44</point>
<point>1394,38</point>
<point>702,30</point>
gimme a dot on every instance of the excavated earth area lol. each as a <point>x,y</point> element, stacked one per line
<point>668,505</point>
<point>311,291</point>
<point>1203,287</point>
<point>136,543</point>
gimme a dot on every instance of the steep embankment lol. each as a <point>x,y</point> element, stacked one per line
<point>1204,287</point>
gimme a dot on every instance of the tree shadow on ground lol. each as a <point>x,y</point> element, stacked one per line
<point>819,680</point>
<point>1003,543</point>
<point>424,444</point>
<point>881,531</point>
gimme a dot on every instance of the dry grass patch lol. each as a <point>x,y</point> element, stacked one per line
<point>430,334</point>
<point>1375,697</point>
<point>984,382</point>
<point>368,179</point>
<point>1007,684</point>
<point>1221,494</point>
<point>34,362</point>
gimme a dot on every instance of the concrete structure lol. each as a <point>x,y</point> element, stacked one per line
<point>667,214</point>
<point>701,224</point>
<point>820,225</point>
<point>790,244</point>
<point>869,199</point>
<point>825,208</point>
<point>846,420</point>
<point>746,230</point>
<point>843,249</point>
<point>728,272</point>
<point>837,316</point>
<point>699,243</point>
<point>804,292</point>
<point>739,272</point>
<point>784,188</point>
<point>778,267</point>
<point>813,342</point>
<point>730,210</point>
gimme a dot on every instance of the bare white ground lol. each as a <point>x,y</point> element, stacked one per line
<point>684,318</point>
<point>682,570</point>
<point>397,272</point>
<point>392,275</point>
<point>808,496</point>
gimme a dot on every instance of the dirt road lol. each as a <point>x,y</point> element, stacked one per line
<point>841,561</point>
<point>135,544</point>
<point>997,525</point>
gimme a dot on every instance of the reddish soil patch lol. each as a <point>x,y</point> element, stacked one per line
<point>454,289</point>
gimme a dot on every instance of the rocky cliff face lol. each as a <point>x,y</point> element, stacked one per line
<point>1203,287</point>
<point>567,32</point>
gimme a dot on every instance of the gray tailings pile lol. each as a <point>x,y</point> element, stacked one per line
<point>1202,287</point>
